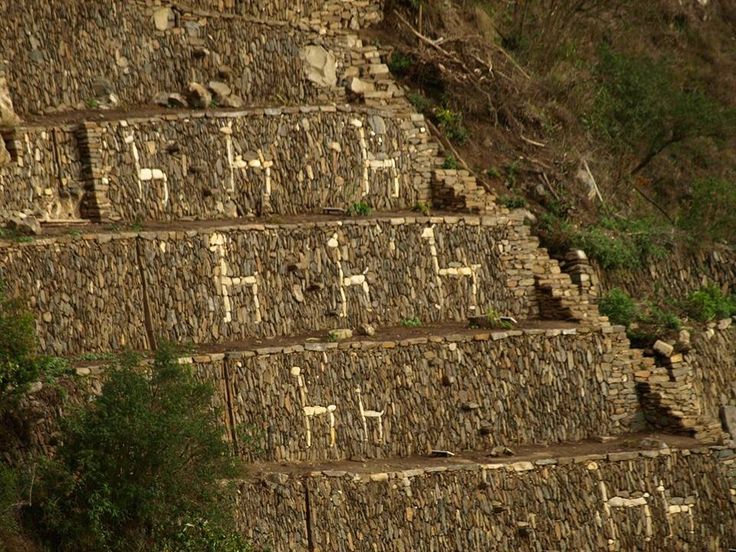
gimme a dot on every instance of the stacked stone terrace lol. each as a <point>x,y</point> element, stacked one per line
<point>223,221</point>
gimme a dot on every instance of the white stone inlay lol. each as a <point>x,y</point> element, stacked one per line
<point>255,161</point>
<point>346,282</point>
<point>218,243</point>
<point>460,271</point>
<point>685,506</point>
<point>370,414</point>
<point>146,174</point>
<point>314,411</point>
<point>372,163</point>
<point>617,502</point>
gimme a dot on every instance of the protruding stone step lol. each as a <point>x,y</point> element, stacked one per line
<point>601,500</point>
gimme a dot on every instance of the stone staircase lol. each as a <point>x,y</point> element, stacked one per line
<point>236,229</point>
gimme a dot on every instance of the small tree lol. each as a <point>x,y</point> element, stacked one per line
<point>19,365</point>
<point>643,111</point>
<point>141,467</point>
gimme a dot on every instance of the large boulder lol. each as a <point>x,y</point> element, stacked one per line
<point>8,117</point>
<point>320,65</point>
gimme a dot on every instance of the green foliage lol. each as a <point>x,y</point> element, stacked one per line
<point>450,163</point>
<point>423,207</point>
<point>9,500</point>
<point>619,307</point>
<point>360,208</point>
<point>644,323</point>
<point>451,124</point>
<point>421,103</point>
<point>614,242</point>
<point>19,364</point>
<point>710,303</point>
<point>400,63</point>
<point>513,202</point>
<point>493,172</point>
<point>140,467</point>
<point>411,322</point>
<point>710,212</point>
<point>494,320</point>
<point>641,109</point>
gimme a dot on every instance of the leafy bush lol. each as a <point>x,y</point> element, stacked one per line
<point>613,242</point>
<point>140,468</point>
<point>710,303</point>
<point>399,63</point>
<point>423,207</point>
<point>450,163</point>
<point>493,318</point>
<point>421,103</point>
<point>19,366</point>
<point>451,124</point>
<point>710,212</point>
<point>513,202</point>
<point>619,307</point>
<point>411,322</point>
<point>9,499</point>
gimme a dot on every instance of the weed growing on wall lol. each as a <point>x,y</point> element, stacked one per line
<point>411,322</point>
<point>361,209</point>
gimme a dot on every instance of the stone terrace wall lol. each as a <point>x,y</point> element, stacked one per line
<point>283,161</point>
<point>87,295</point>
<point>653,501</point>
<point>457,392</point>
<point>677,275</point>
<point>330,14</point>
<point>43,175</point>
<point>116,47</point>
<point>228,284</point>
<point>713,361</point>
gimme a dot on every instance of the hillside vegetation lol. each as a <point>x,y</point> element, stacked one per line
<point>615,121</point>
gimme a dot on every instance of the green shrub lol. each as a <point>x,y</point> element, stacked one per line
<point>513,202</point>
<point>421,103</point>
<point>360,208</point>
<point>494,320</point>
<point>451,124</point>
<point>411,322</point>
<point>140,467</point>
<point>710,303</point>
<point>613,242</point>
<point>710,212</point>
<point>399,63</point>
<point>9,500</point>
<point>423,207</point>
<point>18,358</point>
<point>619,307</point>
<point>450,163</point>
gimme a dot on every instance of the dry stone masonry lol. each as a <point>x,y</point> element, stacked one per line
<point>649,501</point>
<point>198,167</point>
